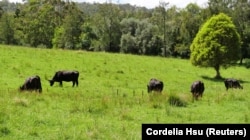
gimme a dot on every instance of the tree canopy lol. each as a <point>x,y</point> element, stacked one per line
<point>216,44</point>
<point>165,30</point>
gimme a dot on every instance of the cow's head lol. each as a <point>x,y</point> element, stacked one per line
<point>21,88</point>
<point>51,82</point>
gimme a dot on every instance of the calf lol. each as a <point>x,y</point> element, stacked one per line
<point>155,85</point>
<point>232,83</point>
<point>197,89</point>
<point>67,76</point>
<point>32,83</point>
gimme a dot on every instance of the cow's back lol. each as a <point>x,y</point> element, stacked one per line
<point>66,75</point>
<point>232,83</point>
<point>197,87</point>
<point>32,83</point>
<point>155,85</point>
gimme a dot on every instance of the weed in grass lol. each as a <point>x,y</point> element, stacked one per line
<point>157,100</point>
<point>4,131</point>
<point>176,100</point>
<point>21,102</point>
<point>246,118</point>
<point>125,115</point>
<point>105,102</point>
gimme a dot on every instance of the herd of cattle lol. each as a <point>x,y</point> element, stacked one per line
<point>33,83</point>
<point>197,87</point>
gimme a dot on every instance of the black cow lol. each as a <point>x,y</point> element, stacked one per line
<point>232,83</point>
<point>197,89</point>
<point>32,83</point>
<point>66,76</point>
<point>155,85</point>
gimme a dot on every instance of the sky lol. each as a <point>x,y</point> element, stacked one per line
<point>145,3</point>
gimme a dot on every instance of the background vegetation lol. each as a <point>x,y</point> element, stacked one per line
<point>162,31</point>
<point>111,101</point>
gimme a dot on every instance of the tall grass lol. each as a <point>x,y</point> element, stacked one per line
<point>111,101</point>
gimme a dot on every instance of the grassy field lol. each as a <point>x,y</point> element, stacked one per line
<point>111,101</point>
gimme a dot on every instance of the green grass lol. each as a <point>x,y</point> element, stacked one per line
<point>111,101</point>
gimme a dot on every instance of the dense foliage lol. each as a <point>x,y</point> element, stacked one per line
<point>216,44</point>
<point>164,30</point>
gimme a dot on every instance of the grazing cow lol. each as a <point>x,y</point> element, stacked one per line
<point>32,83</point>
<point>197,89</point>
<point>155,85</point>
<point>66,76</point>
<point>232,83</point>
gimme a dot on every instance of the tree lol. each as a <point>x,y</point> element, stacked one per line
<point>218,6</point>
<point>162,10</point>
<point>108,29</point>
<point>128,44</point>
<point>87,36</point>
<point>128,38</point>
<point>36,21</point>
<point>7,31</point>
<point>190,21</point>
<point>68,35</point>
<point>241,18</point>
<point>216,44</point>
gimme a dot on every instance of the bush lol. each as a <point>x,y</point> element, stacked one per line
<point>175,100</point>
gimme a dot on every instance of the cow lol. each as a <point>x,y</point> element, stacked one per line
<point>232,83</point>
<point>155,85</point>
<point>65,75</point>
<point>32,83</point>
<point>197,89</point>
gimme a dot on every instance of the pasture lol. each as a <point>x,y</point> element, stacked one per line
<point>111,101</point>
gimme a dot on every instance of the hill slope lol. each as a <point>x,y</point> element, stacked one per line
<point>111,101</point>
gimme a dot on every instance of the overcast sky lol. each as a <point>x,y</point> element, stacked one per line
<point>146,3</point>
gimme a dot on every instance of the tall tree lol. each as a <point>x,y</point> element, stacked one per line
<point>68,35</point>
<point>87,36</point>
<point>190,20</point>
<point>162,9</point>
<point>241,18</point>
<point>37,22</point>
<point>144,35</point>
<point>220,6</point>
<point>216,44</point>
<point>128,38</point>
<point>7,30</point>
<point>108,26</point>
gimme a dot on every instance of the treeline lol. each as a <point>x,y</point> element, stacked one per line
<point>164,30</point>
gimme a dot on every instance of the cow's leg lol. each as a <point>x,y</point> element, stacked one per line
<point>60,83</point>
<point>76,82</point>
<point>194,98</point>
<point>73,83</point>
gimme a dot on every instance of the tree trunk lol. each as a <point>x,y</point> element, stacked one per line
<point>241,60</point>
<point>217,69</point>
